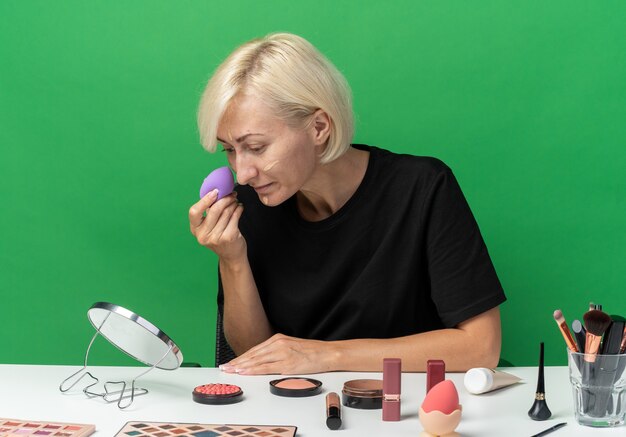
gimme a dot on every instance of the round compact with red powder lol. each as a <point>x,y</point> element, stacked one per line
<point>217,394</point>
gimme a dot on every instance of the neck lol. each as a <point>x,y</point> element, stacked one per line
<point>332,185</point>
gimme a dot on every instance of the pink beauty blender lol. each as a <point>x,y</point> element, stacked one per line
<point>440,413</point>
<point>442,397</point>
<point>220,178</point>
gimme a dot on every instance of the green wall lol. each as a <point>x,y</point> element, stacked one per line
<point>100,160</point>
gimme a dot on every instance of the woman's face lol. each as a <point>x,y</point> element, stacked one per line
<point>265,153</point>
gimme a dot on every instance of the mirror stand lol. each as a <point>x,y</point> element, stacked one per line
<point>124,393</point>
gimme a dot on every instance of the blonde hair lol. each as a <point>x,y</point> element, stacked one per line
<point>290,76</point>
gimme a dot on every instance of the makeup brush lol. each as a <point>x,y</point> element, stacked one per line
<point>596,324</point>
<point>539,409</point>
<point>607,366</point>
<point>612,339</point>
<point>622,348</point>
<point>595,306</point>
<point>567,335</point>
<point>579,334</point>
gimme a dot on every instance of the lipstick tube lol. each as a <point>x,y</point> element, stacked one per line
<point>392,373</point>
<point>435,373</point>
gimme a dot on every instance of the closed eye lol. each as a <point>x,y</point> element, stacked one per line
<point>257,149</point>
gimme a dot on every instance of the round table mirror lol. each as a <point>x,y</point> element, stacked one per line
<point>135,336</point>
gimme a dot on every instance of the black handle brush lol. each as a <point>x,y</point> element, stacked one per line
<point>596,324</point>
<point>608,367</point>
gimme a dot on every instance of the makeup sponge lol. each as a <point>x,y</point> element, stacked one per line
<point>220,178</point>
<point>442,397</point>
<point>440,413</point>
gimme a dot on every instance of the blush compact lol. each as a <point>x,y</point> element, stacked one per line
<point>217,394</point>
<point>365,394</point>
<point>295,387</point>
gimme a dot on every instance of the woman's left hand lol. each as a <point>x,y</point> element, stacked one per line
<point>281,354</point>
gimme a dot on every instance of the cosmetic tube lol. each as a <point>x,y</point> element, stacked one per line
<point>482,380</point>
<point>333,411</point>
<point>435,373</point>
<point>392,371</point>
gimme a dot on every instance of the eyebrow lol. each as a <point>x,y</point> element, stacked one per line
<point>240,139</point>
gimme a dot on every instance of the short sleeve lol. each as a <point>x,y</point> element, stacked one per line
<point>463,279</point>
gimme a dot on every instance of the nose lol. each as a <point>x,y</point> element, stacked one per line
<point>245,168</point>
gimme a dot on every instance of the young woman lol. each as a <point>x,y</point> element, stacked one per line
<point>333,255</point>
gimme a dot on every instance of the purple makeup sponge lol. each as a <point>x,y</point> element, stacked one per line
<point>220,178</point>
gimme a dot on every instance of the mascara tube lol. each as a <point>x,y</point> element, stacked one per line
<point>333,411</point>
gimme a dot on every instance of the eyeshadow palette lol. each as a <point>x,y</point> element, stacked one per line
<point>15,427</point>
<point>164,429</point>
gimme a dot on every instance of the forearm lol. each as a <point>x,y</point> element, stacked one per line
<point>475,343</point>
<point>245,321</point>
<point>450,345</point>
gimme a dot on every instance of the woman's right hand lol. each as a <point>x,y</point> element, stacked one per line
<point>218,229</point>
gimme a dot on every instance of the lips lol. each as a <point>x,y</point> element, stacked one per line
<point>262,189</point>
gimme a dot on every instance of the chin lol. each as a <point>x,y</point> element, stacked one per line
<point>270,200</point>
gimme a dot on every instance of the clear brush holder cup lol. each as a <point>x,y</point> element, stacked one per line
<point>599,388</point>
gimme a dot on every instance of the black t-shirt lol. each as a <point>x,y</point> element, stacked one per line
<point>404,255</point>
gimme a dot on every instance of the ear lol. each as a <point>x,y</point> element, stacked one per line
<point>321,125</point>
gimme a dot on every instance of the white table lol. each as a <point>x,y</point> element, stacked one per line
<point>31,392</point>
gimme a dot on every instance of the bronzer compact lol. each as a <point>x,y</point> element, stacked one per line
<point>295,387</point>
<point>136,337</point>
<point>365,394</point>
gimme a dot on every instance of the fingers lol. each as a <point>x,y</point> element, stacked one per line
<point>206,204</point>
<point>263,369</point>
<point>232,228</point>
<point>216,221</point>
<point>265,358</point>
<point>221,216</point>
<point>260,350</point>
<point>266,363</point>
<point>196,212</point>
